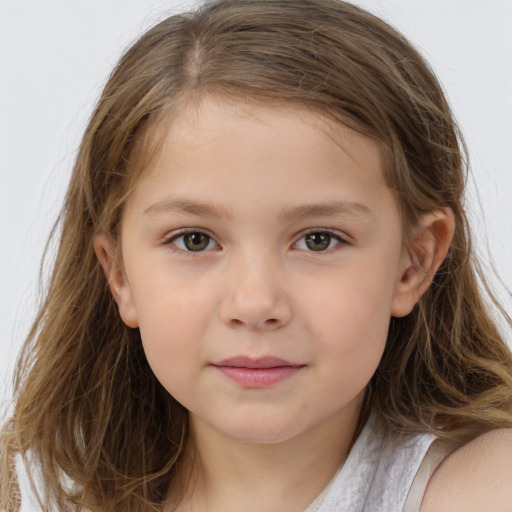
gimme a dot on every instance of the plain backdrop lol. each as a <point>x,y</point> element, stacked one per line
<point>55,57</point>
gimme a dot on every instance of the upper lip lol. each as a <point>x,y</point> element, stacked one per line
<point>260,362</point>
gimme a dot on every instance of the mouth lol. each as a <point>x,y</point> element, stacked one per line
<point>257,373</point>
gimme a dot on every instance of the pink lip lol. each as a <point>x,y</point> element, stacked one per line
<point>257,373</point>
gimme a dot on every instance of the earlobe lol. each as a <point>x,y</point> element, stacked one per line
<point>429,246</point>
<point>105,251</point>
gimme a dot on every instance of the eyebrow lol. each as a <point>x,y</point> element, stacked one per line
<point>203,209</point>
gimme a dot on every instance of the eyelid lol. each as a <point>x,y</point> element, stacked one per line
<point>330,231</point>
<point>340,238</point>
<point>169,238</point>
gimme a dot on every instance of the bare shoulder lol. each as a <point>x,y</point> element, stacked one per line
<point>475,477</point>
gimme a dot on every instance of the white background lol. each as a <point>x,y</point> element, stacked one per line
<point>55,57</point>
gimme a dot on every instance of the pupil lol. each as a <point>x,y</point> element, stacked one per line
<point>196,241</point>
<point>318,241</point>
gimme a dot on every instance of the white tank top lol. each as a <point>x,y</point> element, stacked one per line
<point>383,475</point>
<point>378,476</point>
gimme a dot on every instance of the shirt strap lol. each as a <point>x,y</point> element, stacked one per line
<point>437,452</point>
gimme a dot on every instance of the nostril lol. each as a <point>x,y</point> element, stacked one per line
<point>270,322</point>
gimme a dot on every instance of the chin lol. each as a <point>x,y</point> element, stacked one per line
<point>264,431</point>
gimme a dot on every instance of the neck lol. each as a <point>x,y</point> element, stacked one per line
<point>228,475</point>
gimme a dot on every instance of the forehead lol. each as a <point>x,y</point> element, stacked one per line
<point>264,156</point>
<point>201,126</point>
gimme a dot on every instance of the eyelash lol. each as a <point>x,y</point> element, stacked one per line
<point>171,240</point>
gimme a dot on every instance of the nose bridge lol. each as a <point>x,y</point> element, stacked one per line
<point>256,294</point>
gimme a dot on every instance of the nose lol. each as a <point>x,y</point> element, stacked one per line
<point>255,295</point>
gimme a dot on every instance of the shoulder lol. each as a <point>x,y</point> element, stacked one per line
<point>475,477</point>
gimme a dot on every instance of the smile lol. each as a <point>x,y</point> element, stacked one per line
<point>257,373</point>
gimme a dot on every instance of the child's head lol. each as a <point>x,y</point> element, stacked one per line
<point>336,86</point>
<point>324,57</point>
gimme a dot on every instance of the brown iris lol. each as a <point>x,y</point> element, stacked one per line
<point>318,241</point>
<point>196,241</point>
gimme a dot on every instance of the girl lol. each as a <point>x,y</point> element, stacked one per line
<point>265,296</point>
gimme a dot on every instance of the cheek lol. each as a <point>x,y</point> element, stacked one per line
<point>356,305</point>
<point>350,355</point>
<point>350,323</point>
<point>172,323</point>
<point>169,303</point>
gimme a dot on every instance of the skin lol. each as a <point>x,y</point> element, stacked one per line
<point>242,175</point>
<point>474,478</point>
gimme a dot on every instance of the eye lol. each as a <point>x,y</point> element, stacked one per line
<point>193,241</point>
<point>318,241</point>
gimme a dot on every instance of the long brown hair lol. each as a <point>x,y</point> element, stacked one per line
<point>88,406</point>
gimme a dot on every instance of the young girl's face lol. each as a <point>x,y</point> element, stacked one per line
<point>262,259</point>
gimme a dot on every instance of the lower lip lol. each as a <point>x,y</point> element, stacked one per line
<point>258,377</point>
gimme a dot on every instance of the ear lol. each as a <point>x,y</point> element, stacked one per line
<point>427,250</point>
<point>118,283</point>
